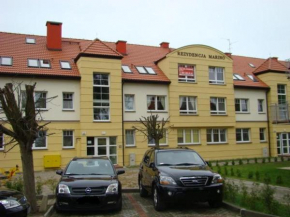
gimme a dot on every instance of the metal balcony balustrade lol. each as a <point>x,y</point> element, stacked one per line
<point>280,113</point>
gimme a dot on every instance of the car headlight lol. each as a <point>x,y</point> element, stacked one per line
<point>217,178</point>
<point>9,204</point>
<point>166,180</point>
<point>112,188</point>
<point>63,189</point>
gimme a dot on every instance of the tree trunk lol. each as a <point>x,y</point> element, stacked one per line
<point>157,143</point>
<point>28,175</point>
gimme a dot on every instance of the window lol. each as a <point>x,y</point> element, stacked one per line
<point>129,102</point>
<point>281,89</point>
<point>130,137</point>
<point>241,105</point>
<point>162,142</point>
<point>216,135</point>
<point>156,103</point>
<point>238,77</point>
<point>101,97</point>
<point>260,105</point>
<point>68,139</point>
<point>30,41</point>
<point>253,78</point>
<point>217,106</point>
<point>216,75</point>
<point>188,136</point>
<point>126,69</point>
<point>67,101</point>
<point>40,141</point>
<point>145,70</point>
<point>40,100</point>
<point>242,135</point>
<point>6,61</point>
<point>1,141</point>
<point>65,65</point>
<point>38,63</point>
<point>187,105</point>
<point>262,134</point>
<point>186,73</point>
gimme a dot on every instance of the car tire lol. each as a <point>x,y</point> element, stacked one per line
<point>215,203</point>
<point>157,203</point>
<point>142,191</point>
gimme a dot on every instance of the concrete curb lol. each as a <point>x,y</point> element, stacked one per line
<point>49,212</point>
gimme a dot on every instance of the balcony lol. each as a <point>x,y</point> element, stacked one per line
<point>280,113</point>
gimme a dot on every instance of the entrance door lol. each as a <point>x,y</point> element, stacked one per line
<point>283,143</point>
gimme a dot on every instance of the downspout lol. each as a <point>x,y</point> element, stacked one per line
<point>123,146</point>
<point>268,124</point>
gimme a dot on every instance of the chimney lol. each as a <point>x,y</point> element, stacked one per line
<point>229,55</point>
<point>274,58</point>
<point>121,47</point>
<point>53,38</point>
<point>164,44</point>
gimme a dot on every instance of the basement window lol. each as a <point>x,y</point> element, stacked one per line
<point>65,65</point>
<point>30,41</point>
<point>6,61</point>
<point>126,69</point>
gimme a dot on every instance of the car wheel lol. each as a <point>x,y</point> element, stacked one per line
<point>142,191</point>
<point>158,204</point>
<point>215,203</point>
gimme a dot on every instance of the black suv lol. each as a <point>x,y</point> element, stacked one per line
<point>178,175</point>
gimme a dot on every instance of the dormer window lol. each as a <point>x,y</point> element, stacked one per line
<point>126,69</point>
<point>145,70</point>
<point>6,61</point>
<point>39,63</point>
<point>30,41</point>
<point>65,65</point>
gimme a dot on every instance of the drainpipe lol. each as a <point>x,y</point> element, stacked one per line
<point>123,148</point>
<point>268,124</point>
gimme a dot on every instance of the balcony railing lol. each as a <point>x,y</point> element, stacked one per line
<point>280,113</point>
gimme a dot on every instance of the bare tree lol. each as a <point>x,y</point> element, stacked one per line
<point>22,127</point>
<point>152,128</point>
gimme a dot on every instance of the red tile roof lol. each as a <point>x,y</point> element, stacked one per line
<point>271,64</point>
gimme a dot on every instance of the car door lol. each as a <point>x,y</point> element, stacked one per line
<point>151,170</point>
<point>145,169</point>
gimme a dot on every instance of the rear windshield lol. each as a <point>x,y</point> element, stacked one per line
<point>90,167</point>
<point>179,158</point>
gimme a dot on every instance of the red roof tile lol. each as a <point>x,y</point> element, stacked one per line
<point>271,64</point>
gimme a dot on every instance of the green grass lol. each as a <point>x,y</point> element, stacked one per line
<point>264,170</point>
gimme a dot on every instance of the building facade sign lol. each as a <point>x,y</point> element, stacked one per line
<point>200,55</point>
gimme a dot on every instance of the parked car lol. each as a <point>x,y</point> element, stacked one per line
<point>178,175</point>
<point>13,203</point>
<point>89,184</point>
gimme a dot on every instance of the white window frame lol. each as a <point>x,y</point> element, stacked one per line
<point>126,69</point>
<point>29,40</point>
<point>3,57</point>
<point>156,103</point>
<point>261,105</point>
<point>104,101</point>
<point>40,92</point>
<point>2,141</point>
<point>62,64</point>
<point>242,131</point>
<point>72,100</point>
<point>215,80</point>
<point>242,101</point>
<point>160,144</point>
<point>187,111</point>
<point>212,131</point>
<point>40,63</point>
<point>126,109</point>
<point>192,132</point>
<point>284,94</point>
<point>45,139</point>
<point>262,130</point>
<point>71,136</point>
<point>218,111</point>
<point>132,133</point>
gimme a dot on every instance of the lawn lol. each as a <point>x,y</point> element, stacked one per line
<point>258,172</point>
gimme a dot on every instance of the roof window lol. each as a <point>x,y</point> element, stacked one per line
<point>145,70</point>
<point>252,78</point>
<point>6,61</point>
<point>39,63</point>
<point>126,69</point>
<point>30,41</point>
<point>65,65</point>
<point>238,77</point>
<point>252,65</point>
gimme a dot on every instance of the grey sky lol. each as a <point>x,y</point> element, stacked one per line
<point>256,28</point>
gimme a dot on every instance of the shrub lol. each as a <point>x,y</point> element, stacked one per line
<point>38,185</point>
<point>226,171</point>
<point>286,199</point>
<point>217,163</point>
<point>257,175</point>
<point>275,159</point>
<point>267,179</point>
<point>248,161</point>
<point>269,159</point>
<point>250,175</point>
<point>219,169</point>
<point>253,199</point>
<point>232,172</point>
<point>226,163</point>
<point>263,160</point>
<point>244,193</point>
<point>239,174</point>
<point>282,159</point>
<point>279,180</point>
<point>267,196</point>
<point>15,184</point>
<point>233,162</point>
<point>231,190</point>
<point>209,164</point>
<point>240,162</point>
<point>52,183</point>
<point>256,160</point>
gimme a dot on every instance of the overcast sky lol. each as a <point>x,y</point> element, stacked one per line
<point>255,28</point>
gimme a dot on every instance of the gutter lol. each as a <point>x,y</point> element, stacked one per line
<point>268,124</point>
<point>123,144</point>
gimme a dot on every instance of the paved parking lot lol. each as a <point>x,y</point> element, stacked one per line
<point>135,206</point>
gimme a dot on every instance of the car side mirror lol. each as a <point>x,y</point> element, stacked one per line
<point>119,172</point>
<point>59,172</point>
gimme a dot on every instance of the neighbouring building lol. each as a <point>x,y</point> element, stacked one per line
<point>222,105</point>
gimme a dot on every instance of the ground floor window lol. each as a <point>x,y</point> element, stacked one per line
<point>40,141</point>
<point>68,139</point>
<point>262,134</point>
<point>188,136</point>
<point>163,141</point>
<point>102,146</point>
<point>283,143</point>
<point>242,135</point>
<point>216,135</point>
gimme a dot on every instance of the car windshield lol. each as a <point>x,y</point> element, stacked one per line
<point>90,167</point>
<point>178,158</point>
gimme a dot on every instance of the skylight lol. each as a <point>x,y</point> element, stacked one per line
<point>252,65</point>
<point>6,61</point>
<point>252,78</point>
<point>145,70</point>
<point>150,70</point>
<point>44,63</point>
<point>126,69</point>
<point>38,63</point>
<point>238,77</point>
<point>65,65</point>
<point>30,40</point>
<point>141,69</point>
